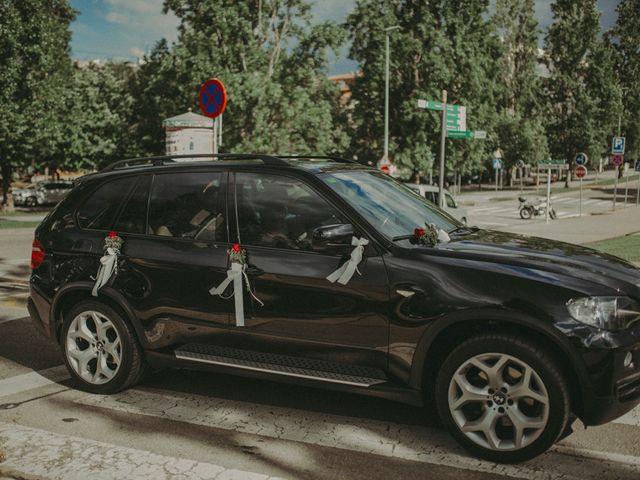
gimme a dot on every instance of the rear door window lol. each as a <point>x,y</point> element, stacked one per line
<point>133,218</point>
<point>99,210</point>
<point>188,205</point>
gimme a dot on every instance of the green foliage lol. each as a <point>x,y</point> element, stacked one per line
<point>440,45</point>
<point>34,68</point>
<point>625,39</point>
<point>584,96</point>
<point>273,63</point>
<point>520,131</point>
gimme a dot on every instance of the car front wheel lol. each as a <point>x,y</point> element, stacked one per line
<point>100,348</point>
<point>503,398</point>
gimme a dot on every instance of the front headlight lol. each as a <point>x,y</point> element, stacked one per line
<point>608,313</point>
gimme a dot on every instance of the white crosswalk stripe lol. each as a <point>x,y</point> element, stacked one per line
<point>71,458</point>
<point>399,441</point>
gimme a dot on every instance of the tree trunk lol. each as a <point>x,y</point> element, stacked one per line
<point>6,186</point>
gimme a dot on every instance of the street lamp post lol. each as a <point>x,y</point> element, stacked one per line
<point>387,31</point>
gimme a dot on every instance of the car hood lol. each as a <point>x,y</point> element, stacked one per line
<point>548,255</point>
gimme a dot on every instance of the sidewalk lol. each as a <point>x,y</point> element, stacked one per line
<point>580,230</point>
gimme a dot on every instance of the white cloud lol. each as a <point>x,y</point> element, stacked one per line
<point>137,52</point>
<point>114,17</point>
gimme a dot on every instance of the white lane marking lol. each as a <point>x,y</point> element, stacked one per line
<point>42,454</point>
<point>631,418</point>
<point>31,380</point>
<point>408,442</point>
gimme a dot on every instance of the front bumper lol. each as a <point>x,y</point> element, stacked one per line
<point>623,392</point>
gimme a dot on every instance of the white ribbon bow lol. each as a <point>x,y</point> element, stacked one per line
<point>235,275</point>
<point>345,272</point>
<point>108,265</point>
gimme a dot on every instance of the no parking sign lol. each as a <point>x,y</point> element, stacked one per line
<point>212,98</point>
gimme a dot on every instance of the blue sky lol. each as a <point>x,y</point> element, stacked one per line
<point>123,30</point>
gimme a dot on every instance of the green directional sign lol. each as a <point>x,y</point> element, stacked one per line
<point>550,161</point>
<point>435,105</point>
<point>460,134</point>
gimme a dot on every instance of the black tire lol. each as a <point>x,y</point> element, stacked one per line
<point>525,213</point>
<point>31,202</point>
<point>132,367</point>
<point>552,214</point>
<point>542,364</point>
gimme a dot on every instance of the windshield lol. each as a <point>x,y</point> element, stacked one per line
<point>393,209</point>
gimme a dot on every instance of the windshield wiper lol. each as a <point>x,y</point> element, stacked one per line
<point>403,237</point>
<point>463,228</point>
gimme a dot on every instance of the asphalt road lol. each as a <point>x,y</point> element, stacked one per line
<point>180,424</point>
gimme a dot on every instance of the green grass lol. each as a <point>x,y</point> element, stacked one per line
<point>627,247</point>
<point>17,224</point>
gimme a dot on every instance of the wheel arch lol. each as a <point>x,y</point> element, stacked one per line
<point>74,292</point>
<point>441,340</point>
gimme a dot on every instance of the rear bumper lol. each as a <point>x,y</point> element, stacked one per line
<point>39,308</point>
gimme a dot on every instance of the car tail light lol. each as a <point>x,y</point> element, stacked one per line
<point>37,254</point>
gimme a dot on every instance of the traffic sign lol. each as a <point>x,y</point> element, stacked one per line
<point>435,105</point>
<point>479,134</point>
<point>212,98</point>
<point>581,159</point>
<point>519,164</point>
<point>497,163</point>
<point>636,166</point>
<point>460,134</point>
<point>581,171</point>
<point>617,160</point>
<point>554,162</point>
<point>617,146</point>
<point>457,118</point>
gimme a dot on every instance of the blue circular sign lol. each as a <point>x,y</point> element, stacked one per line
<point>581,159</point>
<point>212,98</point>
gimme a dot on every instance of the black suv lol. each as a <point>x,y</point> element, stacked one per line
<point>324,272</point>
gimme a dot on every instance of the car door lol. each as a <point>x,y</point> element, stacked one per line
<point>172,260</point>
<point>303,313</point>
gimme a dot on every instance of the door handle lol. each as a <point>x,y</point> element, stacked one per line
<point>253,271</point>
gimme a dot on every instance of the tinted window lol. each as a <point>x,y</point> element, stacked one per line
<point>99,210</point>
<point>188,205</point>
<point>133,217</point>
<point>280,212</point>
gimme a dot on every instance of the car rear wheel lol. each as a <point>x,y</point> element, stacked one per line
<point>31,201</point>
<point>100,348</point>
<point>502,398</point>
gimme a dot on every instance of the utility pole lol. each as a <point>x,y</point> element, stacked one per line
<point>443,139</point>
<point>386,93</point>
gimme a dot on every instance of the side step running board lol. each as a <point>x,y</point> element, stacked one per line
<point>283,365</point>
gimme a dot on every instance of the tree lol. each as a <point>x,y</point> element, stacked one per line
<point>34,68</point>
<point>582,89</point>
<point>273,63</point>
<point>440,45</point>
<point>520,131</point>
<point>625,39</point>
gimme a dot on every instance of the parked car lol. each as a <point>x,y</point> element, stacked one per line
<point>510,338</point>
<point>42,193</point>
<point>430,192</point>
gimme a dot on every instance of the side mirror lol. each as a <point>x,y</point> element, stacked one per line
<point>330,236</point>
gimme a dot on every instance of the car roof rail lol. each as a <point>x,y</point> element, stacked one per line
<point>168,159</point>
<point>319,157</point>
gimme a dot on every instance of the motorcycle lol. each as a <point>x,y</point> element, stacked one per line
<point>528,209</point>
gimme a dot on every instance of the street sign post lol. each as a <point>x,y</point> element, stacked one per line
<point>479,134</point>
<point>520,166</point>
<point>581,172</point>
<point>617,160</point>
<point>213,100</point>
<point>456,119</point>
<point>636,167</point>
<point>617,145</point>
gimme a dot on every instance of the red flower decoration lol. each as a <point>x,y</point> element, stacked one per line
<point>112,234</point>
<point>236,247</point>
<point>419,232</point>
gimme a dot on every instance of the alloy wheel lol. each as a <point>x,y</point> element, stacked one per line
<point>498,401</point>
<point>93,347</point>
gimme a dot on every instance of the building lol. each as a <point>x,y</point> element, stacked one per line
<point>188,133</point>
